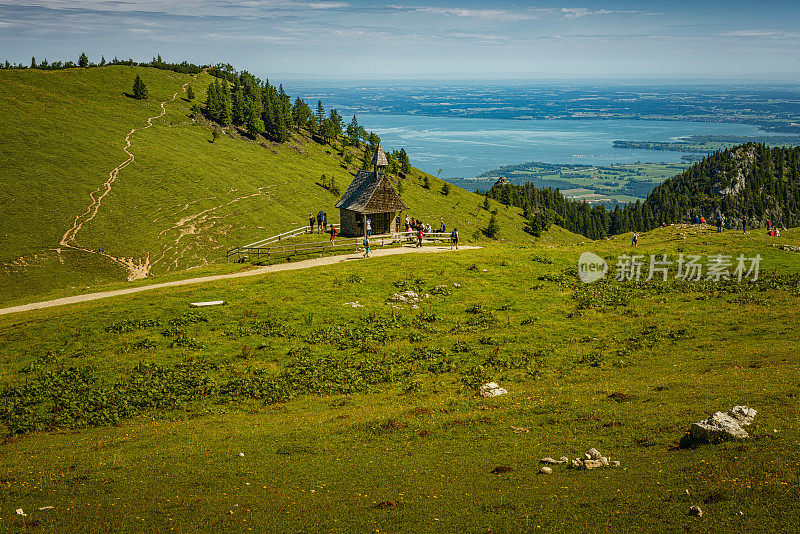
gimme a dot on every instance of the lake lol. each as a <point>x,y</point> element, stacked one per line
<point>465,147</point>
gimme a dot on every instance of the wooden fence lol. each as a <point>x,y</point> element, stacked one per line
<point>257,252</point>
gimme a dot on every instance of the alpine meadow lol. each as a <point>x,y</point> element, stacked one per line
<point>235,296</point>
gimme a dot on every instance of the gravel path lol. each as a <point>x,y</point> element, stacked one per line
<point>304,264</point>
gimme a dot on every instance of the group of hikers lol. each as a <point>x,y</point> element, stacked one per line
<point>321,219</point>
<point>772,228</point>
<point>414,227</point>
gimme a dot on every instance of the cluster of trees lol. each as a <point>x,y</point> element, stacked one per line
<point>84,62</point>
<point>243,100</point>
<point>770,189</point>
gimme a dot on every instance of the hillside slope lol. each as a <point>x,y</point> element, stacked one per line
<point>180,203</point>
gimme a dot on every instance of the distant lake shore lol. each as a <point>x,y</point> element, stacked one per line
<point>467,147</point>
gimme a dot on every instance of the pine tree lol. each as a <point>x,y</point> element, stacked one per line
<point>189,92</point>
<point>492,229</point>
<point>83,60</point>
<point>352,132</point>
<point>427,183</point>
<point>139,89</point>
<point>446,188</point>
<point>320,113</point>
<point>33,62</point>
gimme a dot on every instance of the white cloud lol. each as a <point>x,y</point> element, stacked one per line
<point>497,14</point>
<point>577,12</point>
<point>327,5</point>
<point>768,34</point>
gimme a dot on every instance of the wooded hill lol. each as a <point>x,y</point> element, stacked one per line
<point>190,193</point>
<point>749,183</point>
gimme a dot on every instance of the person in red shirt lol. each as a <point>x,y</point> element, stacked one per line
<point>420,234</point>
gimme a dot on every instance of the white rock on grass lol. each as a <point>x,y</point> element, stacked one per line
<point>491,389</point>
<point>20,512</point>
<point>743,414</point>
<point>548,460</point>
<point>591,464</point>
<point>695,511</point>
<point>614,463</point>
<point>593,454</point>
<point>604,461</point>
<point>563,460</point>
<point>719,426</point>
<point>544,470</point>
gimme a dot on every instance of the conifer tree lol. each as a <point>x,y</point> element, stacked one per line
<point>492,229</point>
<point>352,132</point>
<point>189,92</point>
<point>33,62</point>
<point>139,89</point>
<point>83,60</point>
<point>320,113</point>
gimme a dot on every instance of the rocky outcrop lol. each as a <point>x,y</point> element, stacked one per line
<point>723,426</point>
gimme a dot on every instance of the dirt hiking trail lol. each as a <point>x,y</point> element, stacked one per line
<point>304,264</point>
<point>137,268</point>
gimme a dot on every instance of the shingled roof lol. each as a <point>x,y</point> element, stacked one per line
<point>370,194</point>
<point>379,158</point>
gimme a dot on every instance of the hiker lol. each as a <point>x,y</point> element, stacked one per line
<point>635,239</point>
<point>334,233</point>
<point>454,238</point>
<point>696,219</point>
<point>744,225</point>
<point>702,220</point>
<point>311,224</point>
<point>442,228</point>
<point>769,224</point>
<point>420,235</point>
<point>324,222</point>
<point>366,247</point>
<point>369,227</point>
<point>719,224</point>
<point>319,221</point>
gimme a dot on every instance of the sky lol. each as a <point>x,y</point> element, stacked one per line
<point>707,40</point>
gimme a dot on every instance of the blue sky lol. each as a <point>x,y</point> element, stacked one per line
<point>353,39</point>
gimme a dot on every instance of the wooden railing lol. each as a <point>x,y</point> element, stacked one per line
<point>262,252</point>
<point>285,235</point>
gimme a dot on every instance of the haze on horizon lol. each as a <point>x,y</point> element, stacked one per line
<point>464,40</point>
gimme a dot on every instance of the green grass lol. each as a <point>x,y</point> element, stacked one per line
<point>184,200</point>
<point>373,403</point>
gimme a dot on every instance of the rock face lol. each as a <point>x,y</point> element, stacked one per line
<point>502,181</point>
<point>491,389</point>
<point>721,426</point>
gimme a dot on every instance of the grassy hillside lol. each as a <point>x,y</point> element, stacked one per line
<point>181,203</point>
<point>366,418</point>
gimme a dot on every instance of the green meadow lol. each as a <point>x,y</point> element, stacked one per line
<point>183,201</point>
<point>313,402</point>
